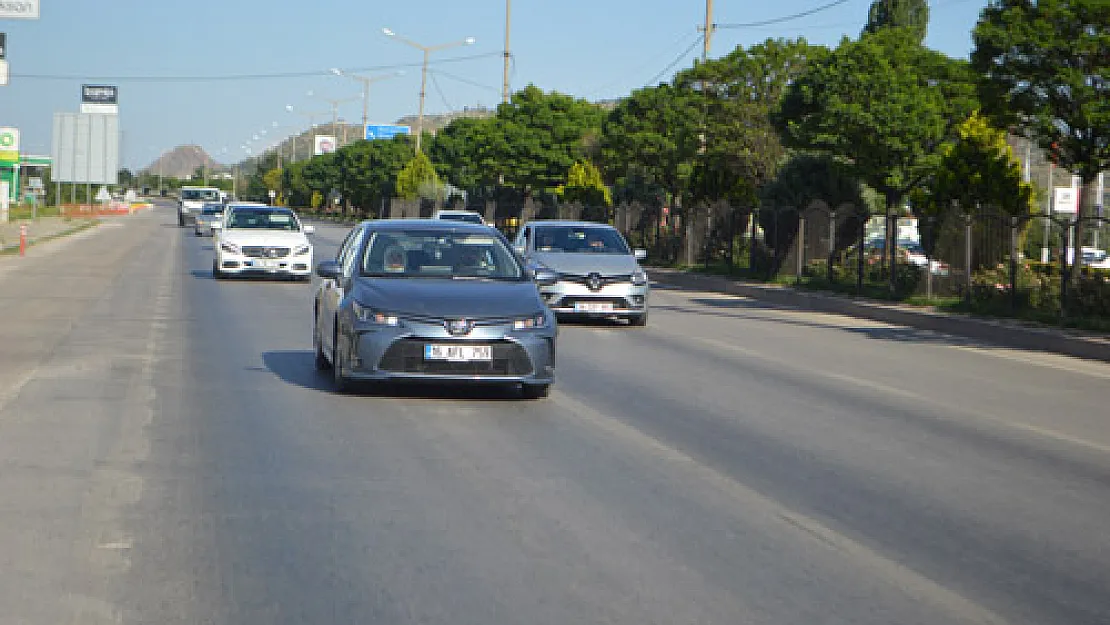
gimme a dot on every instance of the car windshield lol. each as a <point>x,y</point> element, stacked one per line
<point>200,194</point>
<point>213,209</point>
<point>439,254</point>
<point>467,217</point>
<point>580,240</point>
<point>263,220</point>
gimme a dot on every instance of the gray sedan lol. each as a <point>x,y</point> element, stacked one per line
<point>208,215</point>
<point>432,300</point>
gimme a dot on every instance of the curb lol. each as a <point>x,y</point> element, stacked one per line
<point>33,241</point>
<point>999,332</point>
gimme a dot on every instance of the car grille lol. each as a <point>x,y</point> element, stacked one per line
<point>265,252</point>
<point>602,281</point>
<point>407,356</point>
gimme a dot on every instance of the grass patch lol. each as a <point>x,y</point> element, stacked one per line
<point>24,212</point>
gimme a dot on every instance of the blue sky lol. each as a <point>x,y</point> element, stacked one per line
<point>172,61</point>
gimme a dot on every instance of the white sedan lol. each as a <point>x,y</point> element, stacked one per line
<point>262,240</point>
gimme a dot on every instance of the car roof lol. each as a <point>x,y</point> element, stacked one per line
<point>262,208</point>
<point>568,223</point>
<point>396,225</point>
<point>456,211</point>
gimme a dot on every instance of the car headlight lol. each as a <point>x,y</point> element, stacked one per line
<point>535,322</point>
<point>366,314</point>
<point>302,250</point>
<point>639,277</point>
<point>230,248</point>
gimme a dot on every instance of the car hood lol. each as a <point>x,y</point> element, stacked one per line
<point>439,297</point>
<point>275,238</point>
<point>585,264</point>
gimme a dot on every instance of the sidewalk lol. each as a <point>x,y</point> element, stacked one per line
<point>42,229</point>
<point>1002,332</point>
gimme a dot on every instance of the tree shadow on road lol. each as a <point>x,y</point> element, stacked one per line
<point>297,368</point>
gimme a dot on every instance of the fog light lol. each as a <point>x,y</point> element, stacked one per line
<point>638,300</point>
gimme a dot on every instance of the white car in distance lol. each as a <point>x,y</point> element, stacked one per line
<point>260,240</point>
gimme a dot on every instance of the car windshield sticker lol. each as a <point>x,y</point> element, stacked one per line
<point>280,218</point>
<point>395,259</point>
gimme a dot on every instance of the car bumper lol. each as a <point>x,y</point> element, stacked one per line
<point>291,266</point>
<point>574,299</point>
<point>399,354</point>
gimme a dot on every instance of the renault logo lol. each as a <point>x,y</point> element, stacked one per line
<point>594,282</point>
<point>459,327</point>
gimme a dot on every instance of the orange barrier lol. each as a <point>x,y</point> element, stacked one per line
<point>101,210</point>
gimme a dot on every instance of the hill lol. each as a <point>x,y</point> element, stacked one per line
<point>182,161</point>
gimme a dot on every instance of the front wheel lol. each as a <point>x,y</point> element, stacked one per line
<point>638,321</point>
<point>535,391</point>
<point>321,361</point>
<point>216,273</point>
<point>340,382</point>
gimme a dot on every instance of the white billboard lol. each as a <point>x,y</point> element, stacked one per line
<point>19,9</point>
<point>325,144</point>
<point>85,148</point>
<point>1066,200</point>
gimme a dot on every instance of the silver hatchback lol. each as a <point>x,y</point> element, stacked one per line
<point>598,274</point>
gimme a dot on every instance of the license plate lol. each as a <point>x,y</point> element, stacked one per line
<point>593,306</point>
<point>458,353</point>
<point>267,264</point>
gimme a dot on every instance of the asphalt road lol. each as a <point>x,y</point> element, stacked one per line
<point>168,455</point>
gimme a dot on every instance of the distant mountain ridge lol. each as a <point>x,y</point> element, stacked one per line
<point>182,162</point>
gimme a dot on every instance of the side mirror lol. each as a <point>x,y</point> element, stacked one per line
<point>545,277</point>
<point>640,254</point>
<point>329,269</point>
<point>217,225</point>
<point>520,249</point>
<point>309,229</point>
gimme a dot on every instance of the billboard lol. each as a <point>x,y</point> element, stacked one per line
<point>325,144</point>
<point>85,148</point>
<point>9,146</point>
<point>385,131</point>
<point>100,99</point>
<point>19,9</point>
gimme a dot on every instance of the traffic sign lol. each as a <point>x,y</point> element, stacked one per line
<point>385,131</point>
<point>19,10</point>
<point>9,145</point>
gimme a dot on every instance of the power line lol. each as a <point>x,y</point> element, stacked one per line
<point>676,61</point>
<point>435,83</point>
<point>266,76</point>
<point>641,66</point>
<point>465,80</point>
<point>779,20</point>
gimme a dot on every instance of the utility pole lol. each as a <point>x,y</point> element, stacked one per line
<point>708,30</point>
<point>508,23</point>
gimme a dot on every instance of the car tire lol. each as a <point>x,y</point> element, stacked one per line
<point>638,321</point>
<point>180,221</point>
<point>216,273</point>
<point>535,391</point>
<point>341,383</point>
<point>321,361</point>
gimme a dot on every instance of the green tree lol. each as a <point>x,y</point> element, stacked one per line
<point>463,154</point>
<point>585,186</point>
<point>884,104</point>
<point>370,170</point>
<point>418,179</point>
<point>273,180</point>
<point>1046,71</point>
<point>910,14</point>
<point>540,135</point>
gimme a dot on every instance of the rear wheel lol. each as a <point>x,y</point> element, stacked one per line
<point>638,321</point>
<point>535,391</point>
<point>216,273</point>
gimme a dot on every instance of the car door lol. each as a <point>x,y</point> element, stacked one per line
<point>330,293</point>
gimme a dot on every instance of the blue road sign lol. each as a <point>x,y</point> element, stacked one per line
<point>384,131</point>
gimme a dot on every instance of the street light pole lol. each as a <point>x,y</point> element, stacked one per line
<point>424,72</point>
<point>365,80</point>
<point>505,76</point>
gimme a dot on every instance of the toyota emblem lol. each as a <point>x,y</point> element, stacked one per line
<point>459,327</point>
<point>594,282</point>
